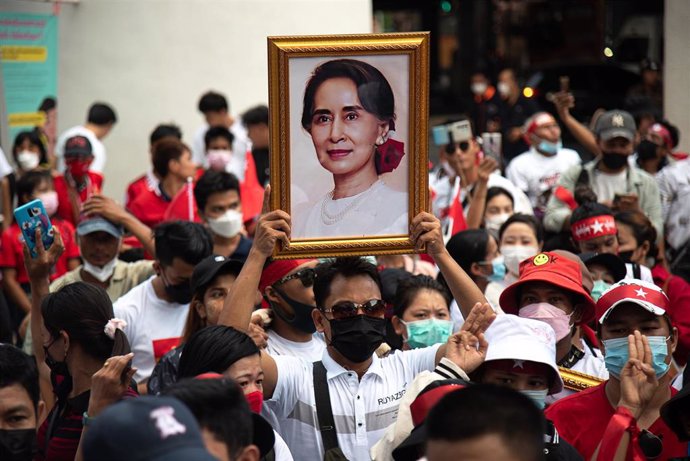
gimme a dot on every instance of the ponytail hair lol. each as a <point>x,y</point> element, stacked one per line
<point>83,310</point>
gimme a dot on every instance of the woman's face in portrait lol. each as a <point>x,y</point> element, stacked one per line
<point>343,132</point>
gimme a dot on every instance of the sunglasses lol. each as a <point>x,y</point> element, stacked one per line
<point>347,309</point>
<point>306,276</point>
<point>463,145</point>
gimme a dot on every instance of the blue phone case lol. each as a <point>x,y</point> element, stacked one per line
<point>441,135</point>
<point>30,216</point>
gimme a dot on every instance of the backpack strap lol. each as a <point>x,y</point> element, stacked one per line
<point>324,412</point>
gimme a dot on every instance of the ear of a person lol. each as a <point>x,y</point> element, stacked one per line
<point>476,270</point>
<point>319,320</point>
<point>249,453</point>
<point>398,327</point>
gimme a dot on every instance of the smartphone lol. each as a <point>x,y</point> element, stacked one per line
<point>565,83</point>
<point>460,131</point>
<point>492,145</point>
<point>31,216</point>
<point>440,135</point>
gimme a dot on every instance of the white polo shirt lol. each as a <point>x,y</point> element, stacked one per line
<point>362,409</point>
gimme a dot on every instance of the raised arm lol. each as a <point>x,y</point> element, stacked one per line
<point>112,211</point>
<point>563,102</point>
<point>426,230</point>
<point>272,227</point>
<point>475,213</point>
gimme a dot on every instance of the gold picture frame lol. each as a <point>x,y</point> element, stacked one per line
<point>576,381</point>
<point>288,57</point>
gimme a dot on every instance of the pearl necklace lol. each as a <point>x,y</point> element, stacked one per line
<point>330,219</point>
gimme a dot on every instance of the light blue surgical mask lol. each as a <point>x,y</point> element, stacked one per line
<point>616,355</point>
<point>598,289</point>
<point>498,268</point>
<point>427,332</point>
<point>538,397</point>
<point>549,148</point>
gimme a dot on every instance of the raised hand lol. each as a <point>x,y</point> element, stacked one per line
<point>40,266</point>
<point>426,230</point>
<point>106,207</point>
<point>638,379</point>
<point>109,383</point>
<point>487,166</point>
<point>467,350</point>
<point>479,319</point>
<point>273,226</point>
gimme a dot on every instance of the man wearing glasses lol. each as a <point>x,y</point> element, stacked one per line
<point>365,391</point>
<point>619,419</point>
<point>288,288</point>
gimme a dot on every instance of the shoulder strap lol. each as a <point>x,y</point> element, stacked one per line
<point>583,177</point>
<point>324,412</point>
<point>637,272</point>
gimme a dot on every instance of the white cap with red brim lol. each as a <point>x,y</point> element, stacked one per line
<point>646,295</point>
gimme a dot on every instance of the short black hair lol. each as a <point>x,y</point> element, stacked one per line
<point>214,349</point>
<point>220,407</point>
<point>673,131</point>
<point>589,210</point>
<point>528,219</point>
<point>101,113</point>
<point>218,132</point>
<point>347,267</point>
<point>409,287</point>
<point>164,151</point>
<point>191,242</point>
<point>213,182</point>
<point>48,103</point>
<point>165,131</point>
<point>485,409</point>
<point>27,184</point>
<point>212,102</point>
<point>496,191</point>
<point>257,115</point>
<point>468,247</point>
<point>34,138</point>
<point>18,368</point>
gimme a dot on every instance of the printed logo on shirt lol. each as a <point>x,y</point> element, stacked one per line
<point>163,346</point>
<point>392,397</point>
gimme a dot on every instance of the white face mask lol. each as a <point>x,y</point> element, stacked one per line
<point>494,223</point>
<point>100,273</point>
<point>503,89</point>
<point>513,255</point>
<point>478,88</point>
<point>28,160</point>
<point>228,225</point>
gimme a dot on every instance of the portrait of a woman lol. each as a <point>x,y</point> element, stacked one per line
<point>349,113</point>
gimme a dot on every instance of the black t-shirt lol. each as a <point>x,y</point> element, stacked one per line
<point>262,163</point>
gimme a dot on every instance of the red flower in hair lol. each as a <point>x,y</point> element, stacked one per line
<point>388,156</point>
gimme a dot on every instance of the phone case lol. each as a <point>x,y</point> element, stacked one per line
<point>31,216</point>
<point>440,135</point>
<point>461,131</point>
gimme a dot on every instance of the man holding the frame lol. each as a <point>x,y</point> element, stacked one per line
<point>364,390</point>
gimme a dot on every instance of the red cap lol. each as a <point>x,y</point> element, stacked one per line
<point>549,268</point>
<point>646,295</point>
<point>276,270</point>
<point>425,401</point>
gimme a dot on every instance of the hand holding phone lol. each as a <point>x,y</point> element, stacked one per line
<point>32,216</point>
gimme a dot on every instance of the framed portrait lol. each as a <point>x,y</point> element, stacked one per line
<point>348,129</point>
<point>576,381</point>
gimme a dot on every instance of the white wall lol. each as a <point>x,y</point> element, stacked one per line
<point>677,68</point>
<point>152,59</point>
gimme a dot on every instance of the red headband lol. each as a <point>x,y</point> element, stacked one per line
<point>277,270</point>
<point>597,226</point>
<point>631,292</point>
<point>662,131</point>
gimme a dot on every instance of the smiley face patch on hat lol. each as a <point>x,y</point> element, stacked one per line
<point>540,259</point>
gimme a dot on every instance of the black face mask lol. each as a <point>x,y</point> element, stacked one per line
<point>17,444</point>
<point>646,150</point>
<point>614,161</point>
<point>625,255</point>
<point>356,338</point>
<point>58,368</point>
<point>180,293</point>
<point>302,319</point>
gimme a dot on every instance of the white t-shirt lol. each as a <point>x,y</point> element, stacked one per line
<point>362,409</point>
<point>99,155</point>
<point>311,351</point>
<point>645,273</point>
<point>379,210</point>
<point>674,188</point>
<point>591,364</point>
<point>5,167</point>
<point>154,325</point>
<point>240,146</point>
<point>606,186</point>
<point>537,174</point>
<point>280,448</point>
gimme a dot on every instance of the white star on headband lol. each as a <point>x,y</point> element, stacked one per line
<point>641,293</point>
<point>518,364</point>
<point>597,227</point>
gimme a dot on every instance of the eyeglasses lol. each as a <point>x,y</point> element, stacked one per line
<point>650,444</point>
<point>463,145</point>
<point>306,276</point>
<point>347,309</point>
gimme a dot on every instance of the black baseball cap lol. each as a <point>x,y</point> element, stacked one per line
<point>613,263</point>
<point>210,266</point>
<point>616,124</point>
<point>78,146</point>
<point>145,428</point>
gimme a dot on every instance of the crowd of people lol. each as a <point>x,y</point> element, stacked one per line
<point>546,314</point>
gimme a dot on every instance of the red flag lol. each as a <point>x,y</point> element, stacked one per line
<point>182,206</point>
<point>456,216</point>
<point>251,191</point>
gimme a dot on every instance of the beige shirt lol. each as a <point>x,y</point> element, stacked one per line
<point>125,277</point>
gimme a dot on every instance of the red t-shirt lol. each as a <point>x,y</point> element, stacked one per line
<point>149,207</point>
<point>138,186</point>
<point>65,210</point>
<point>12,253</point>
<point>581,420</point>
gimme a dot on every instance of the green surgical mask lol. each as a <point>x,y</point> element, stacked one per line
<point>598,289</point>
<point>424,333</point>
